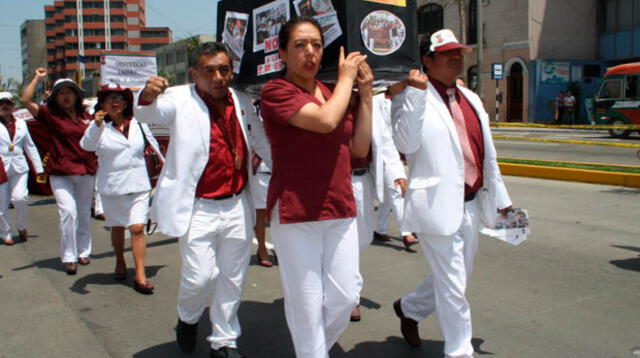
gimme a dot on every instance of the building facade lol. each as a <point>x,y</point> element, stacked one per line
<point>78,31</point>
<point>545,46</point>
<point>32,40</point>
<point>173,58</point>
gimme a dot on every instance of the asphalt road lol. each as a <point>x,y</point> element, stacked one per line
<point>571,290</point>
<point>564,151</point>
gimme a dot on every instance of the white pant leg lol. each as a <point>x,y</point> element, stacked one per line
<point>5,228</point>
<point>341,268</point>
<point>84,197</point>
<point>451,261</point>
<point>393,201</point>
<point>97,204</point>
<point>384,211</point>
<point>233,253</point>
<point>215,254</point>
<point>63,190</point>
<point>363,192</point>
<point>19,198</point>
<point>318,267</point>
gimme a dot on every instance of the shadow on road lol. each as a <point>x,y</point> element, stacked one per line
<point>80,286</point>
<point>54,263</point>
<point>632,264</point>
<point>396,347</point>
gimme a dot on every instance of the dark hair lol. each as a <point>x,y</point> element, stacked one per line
<point>289,26</point>
<point>208,48</point>
<point>53,104</point>
<point>128,98</point>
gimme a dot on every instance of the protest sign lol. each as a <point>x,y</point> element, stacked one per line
<point>128,69</point>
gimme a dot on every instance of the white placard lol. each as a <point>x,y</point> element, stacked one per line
<point>267,21</point>
<point>128,69</point>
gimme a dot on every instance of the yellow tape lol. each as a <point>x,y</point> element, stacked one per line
<point>573,126</point>
<point>568,141</point>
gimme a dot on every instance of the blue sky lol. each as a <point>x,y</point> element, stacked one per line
<point>183,17</point>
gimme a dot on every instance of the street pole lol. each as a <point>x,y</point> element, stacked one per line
<point>497,100</point>
<point>479,44</point>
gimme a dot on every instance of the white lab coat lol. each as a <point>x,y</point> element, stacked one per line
<point>15,161</point>
<point>121,166</point>
<point>424,130</point>
<point>187,116</point>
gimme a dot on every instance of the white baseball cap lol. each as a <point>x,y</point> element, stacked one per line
<point>445,40</point>
<point>7,95</point>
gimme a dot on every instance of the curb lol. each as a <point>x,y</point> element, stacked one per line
<point>570,174</point>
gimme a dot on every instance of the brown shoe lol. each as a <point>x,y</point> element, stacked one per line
<point>70,268</point>
<point>408,327</point>
<point>146,288</point>
<point>24,235</point>
<point>84,261</point>
<point>355,314</point>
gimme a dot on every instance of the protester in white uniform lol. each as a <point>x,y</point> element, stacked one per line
<point>202,195</point>
<point>454,183</point>
<point>15,142</point>
<point>122,181</point>
<point>71,169</point>
<point>313,134</point>
<point>394,178</point>
<point>368,176</point>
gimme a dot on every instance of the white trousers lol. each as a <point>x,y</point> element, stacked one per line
<point>393,201</point>
<point>16,191</point>
<point>363,192</point>
<point>215,254</point>
<point>73,195</point>
<point>443,291</point>
<point>319,271</point>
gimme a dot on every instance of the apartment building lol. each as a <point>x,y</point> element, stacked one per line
<point>32,42</point>
<point>78,31</point>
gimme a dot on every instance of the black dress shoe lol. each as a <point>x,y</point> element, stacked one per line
<point>408,327</point>
<point>186,335</point>
<point>381,237</point>
<point>226,352</point>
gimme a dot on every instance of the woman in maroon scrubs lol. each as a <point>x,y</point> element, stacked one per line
<point>71,169</point>
<point>313,134</point>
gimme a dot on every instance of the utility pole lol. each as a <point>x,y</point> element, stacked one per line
<point>480,41</point>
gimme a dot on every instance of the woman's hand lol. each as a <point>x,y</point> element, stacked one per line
<point>365,79</point>
<point>98,117</point>
<point>40,73</point>
<point>348,66</point>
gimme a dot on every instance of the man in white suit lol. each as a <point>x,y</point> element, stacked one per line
<point>454,185</point>
<point>369,174</point>
<point>203,194</point>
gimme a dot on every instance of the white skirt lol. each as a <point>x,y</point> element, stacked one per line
<point>126,210</point>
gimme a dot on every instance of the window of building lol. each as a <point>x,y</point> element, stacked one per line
<point>118,45</point>
<point>117,18</point>
<point>93,18</point>
<point>472,76</point>
<point>117,4</point>
<point>624,15</point>
<point>611,89</point>
<point>430,19</point>
<point>118,32</point>
<point>591,71</point>
<point>69,4</point>
<point>149,47</point>
<point>472,23</point>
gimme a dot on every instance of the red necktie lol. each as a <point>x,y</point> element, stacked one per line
<point>470,166</point>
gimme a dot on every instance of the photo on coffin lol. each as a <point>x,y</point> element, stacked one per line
<point>267,21</point>
<point>382,32</point>
<point>312,8</point>
<point>235,30</point>
<point>330,27</point>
